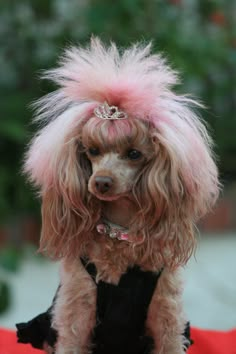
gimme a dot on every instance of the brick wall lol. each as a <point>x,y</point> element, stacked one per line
<point>223,217</point>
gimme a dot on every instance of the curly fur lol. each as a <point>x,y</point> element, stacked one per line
<point>174,184</point>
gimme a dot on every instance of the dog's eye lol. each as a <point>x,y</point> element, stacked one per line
<point>133,154</point>
<point>94,151</point>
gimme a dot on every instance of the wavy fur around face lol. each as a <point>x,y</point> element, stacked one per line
<point>180,183</point>
<point>166,206</point>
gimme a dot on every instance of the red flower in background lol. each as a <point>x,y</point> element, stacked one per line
<point>218,18</point>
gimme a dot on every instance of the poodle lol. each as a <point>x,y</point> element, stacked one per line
<point>125,169</point>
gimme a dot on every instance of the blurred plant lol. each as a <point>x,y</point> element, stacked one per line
<point>10,258</point>
<point>199,37</point>
<point>5,296</point>
<point>9,262</point>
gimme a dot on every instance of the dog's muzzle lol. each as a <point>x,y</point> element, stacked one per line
<point>103,184</point>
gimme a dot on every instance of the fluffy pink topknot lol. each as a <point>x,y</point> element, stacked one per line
<point>132,79</point>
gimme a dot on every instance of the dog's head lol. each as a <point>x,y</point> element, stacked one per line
<point>160,153</point>
<point>118,152</point>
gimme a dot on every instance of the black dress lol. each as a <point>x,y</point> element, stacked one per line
<point>121,314</point>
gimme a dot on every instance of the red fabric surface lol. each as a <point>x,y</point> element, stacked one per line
<point>9,345</point>
<point>213,342</point>
<point>206,342</point>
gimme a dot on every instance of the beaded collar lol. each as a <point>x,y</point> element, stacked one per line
<point>114,231</point>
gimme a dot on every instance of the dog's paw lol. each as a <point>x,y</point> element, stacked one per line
<point>48,349</point>
<point>110,277</point>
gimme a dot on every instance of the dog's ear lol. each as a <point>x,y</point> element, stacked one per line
<point>177,187</point>
<point>57,164</point>
<point>68,210</point>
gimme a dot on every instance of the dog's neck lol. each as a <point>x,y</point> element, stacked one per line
<point>120,211</point>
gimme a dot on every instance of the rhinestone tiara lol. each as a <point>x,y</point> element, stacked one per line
<point>104,111</point>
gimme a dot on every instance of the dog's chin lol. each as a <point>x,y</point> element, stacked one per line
<point>109,198</point>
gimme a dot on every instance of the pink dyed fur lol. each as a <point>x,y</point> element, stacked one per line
<point>140,84</point>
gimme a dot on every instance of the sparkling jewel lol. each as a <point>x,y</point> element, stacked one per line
<point>104,111</point>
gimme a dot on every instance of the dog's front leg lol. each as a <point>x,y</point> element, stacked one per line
<point>74,314</point>
<point>165,319</point>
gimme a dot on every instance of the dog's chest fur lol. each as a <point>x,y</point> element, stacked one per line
<point>112,258</point>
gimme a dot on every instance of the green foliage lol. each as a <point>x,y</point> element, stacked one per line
<point>198,37</point>
<point>10,258</point>
<point>15,196</point>
<point>5,296</point>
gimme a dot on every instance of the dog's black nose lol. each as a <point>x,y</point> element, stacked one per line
<point>103,183</point>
